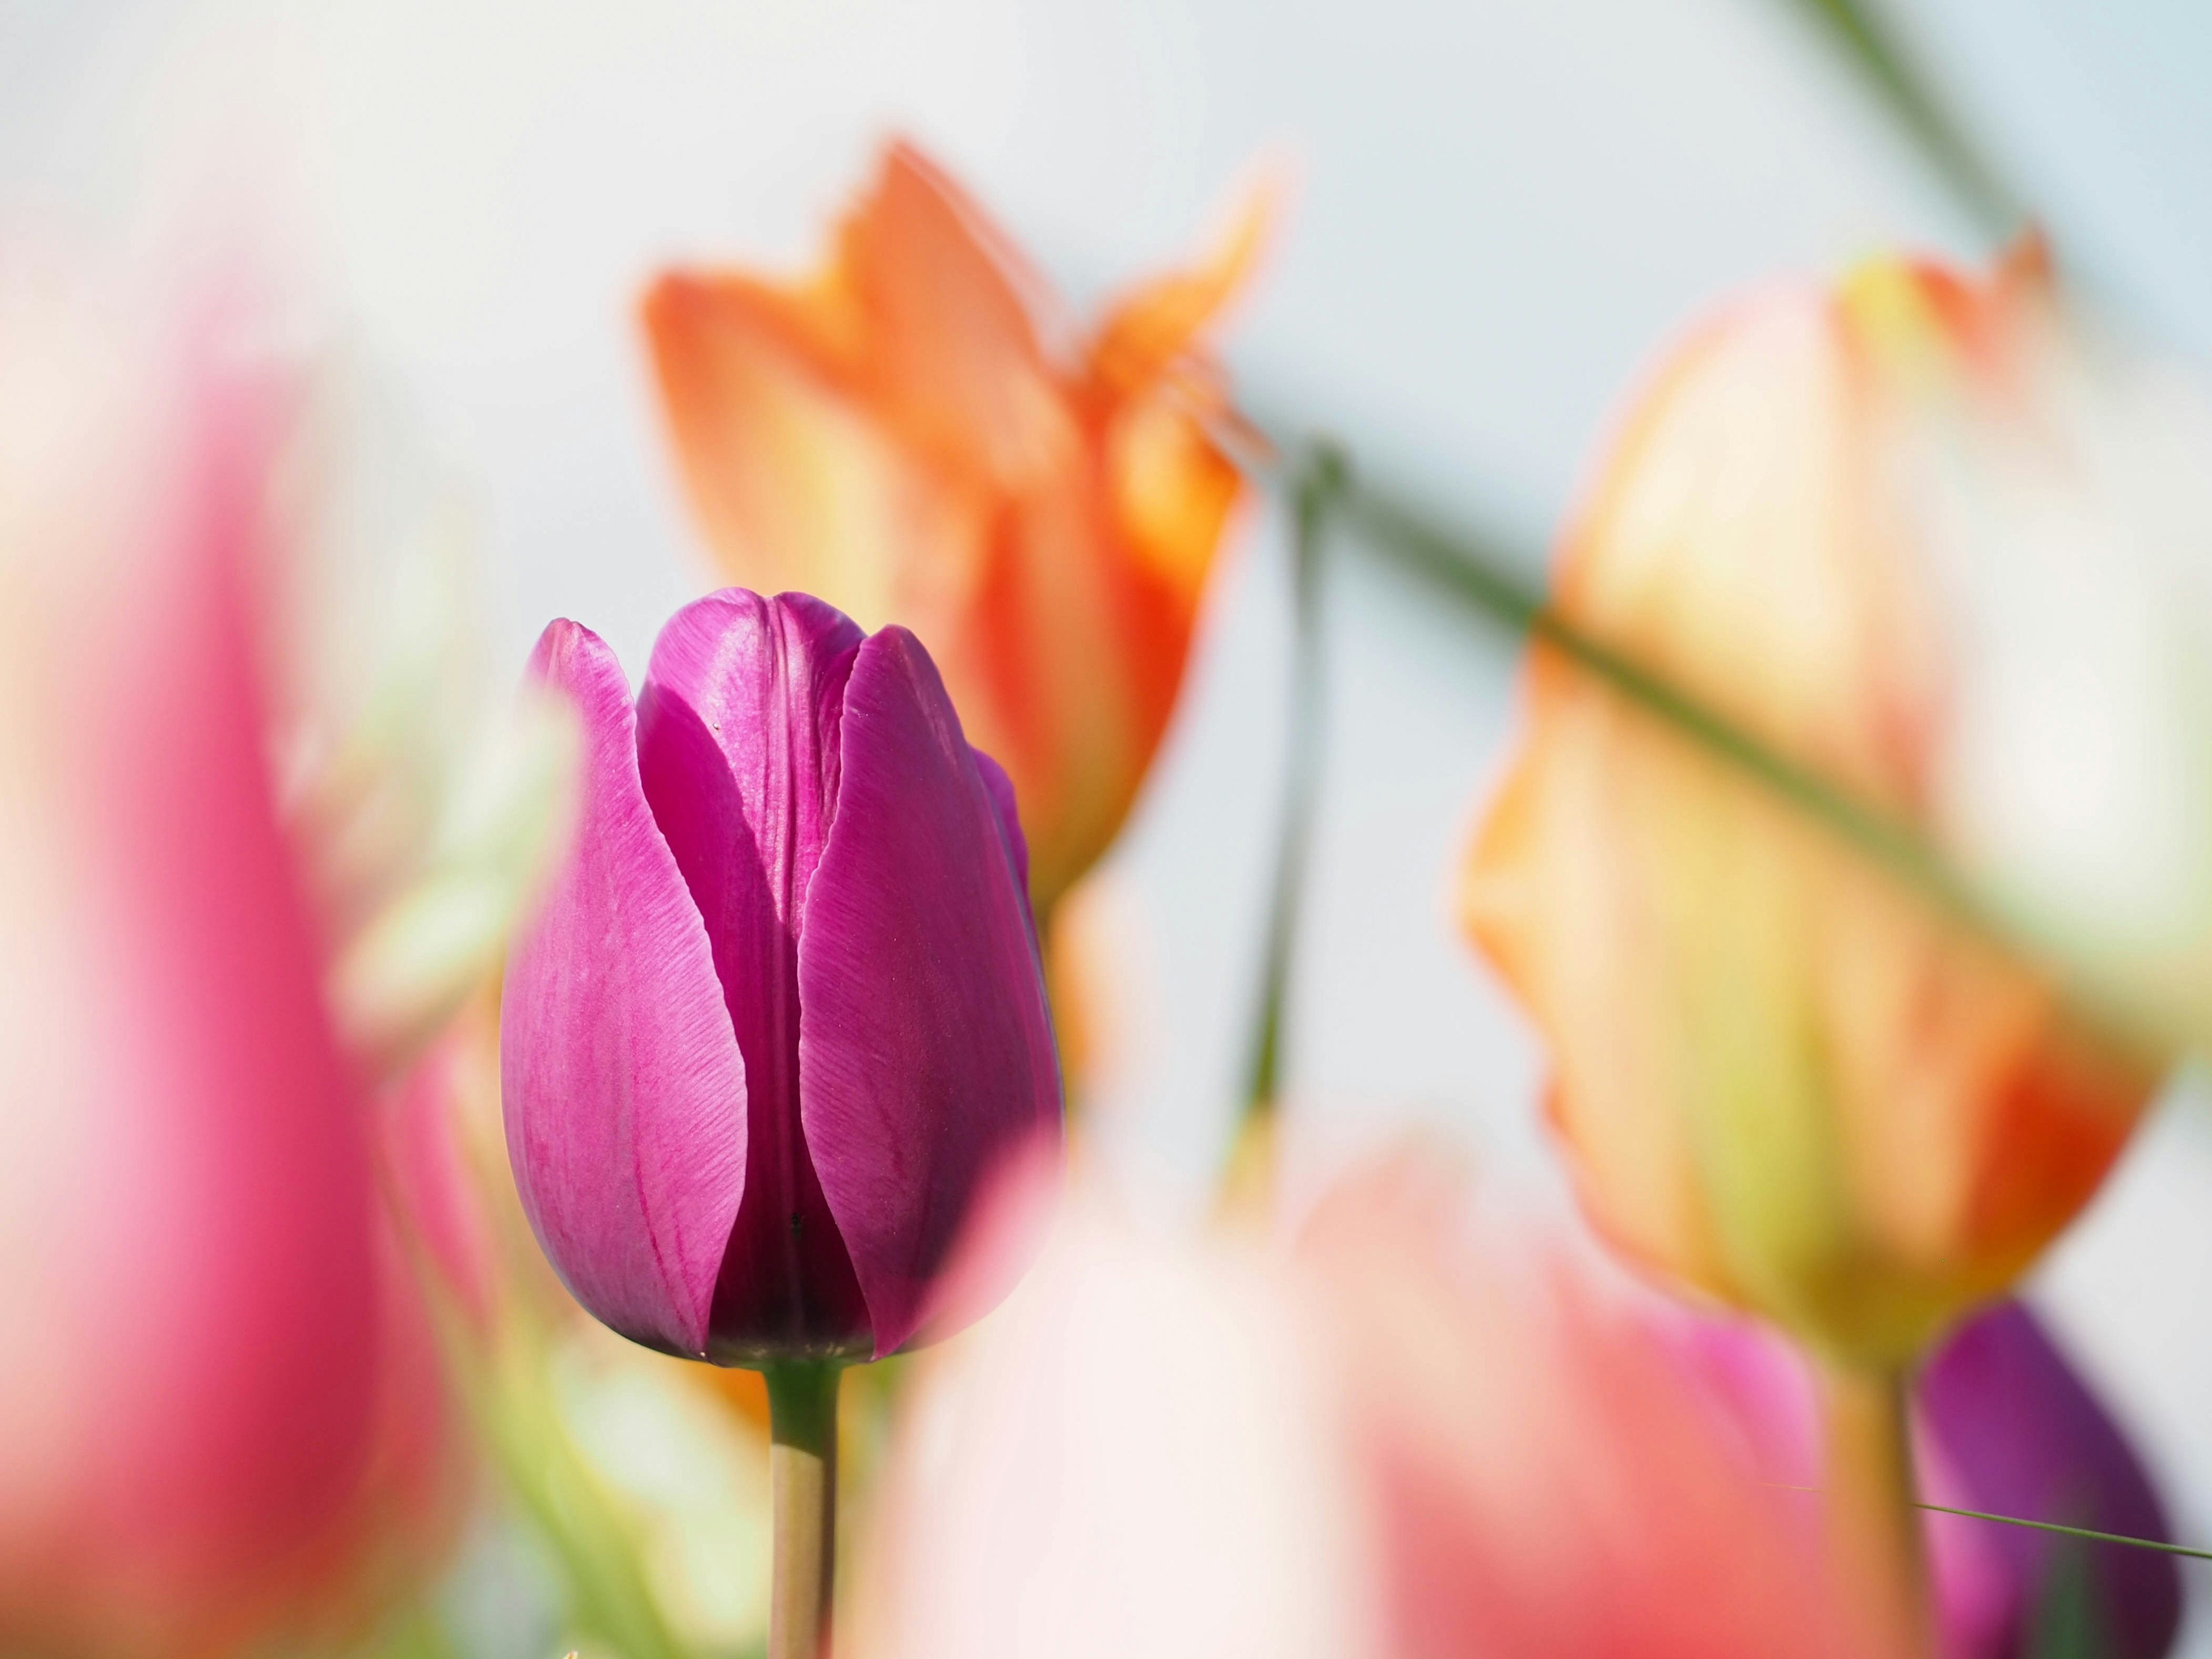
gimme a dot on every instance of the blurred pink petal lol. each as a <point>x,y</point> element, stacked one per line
<point>1549,1480</point>
<point>1131,1456</point>
<point>1397,1440</point>
<point>187,1210</point>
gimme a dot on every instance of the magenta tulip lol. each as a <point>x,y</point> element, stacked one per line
<point>781,1016</point>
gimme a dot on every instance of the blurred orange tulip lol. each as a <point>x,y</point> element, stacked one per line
<point>1783,1078</point>
<point>899,436</point>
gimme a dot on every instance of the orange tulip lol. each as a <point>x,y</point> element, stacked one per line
<point>899,436</point>
<point>1783,1078</point>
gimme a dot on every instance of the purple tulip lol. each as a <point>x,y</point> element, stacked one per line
<point>2007,1428</point>
<point>781,1016</point>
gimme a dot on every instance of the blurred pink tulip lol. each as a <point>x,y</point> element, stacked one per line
<point>198,1415</point>
<point>1386,1442</point>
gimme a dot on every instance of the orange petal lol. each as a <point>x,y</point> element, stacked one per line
<point>953,353</point>
<point>797,485</point>
<point>1146,331</point>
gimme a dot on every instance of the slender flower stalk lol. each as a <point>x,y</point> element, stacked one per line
<point>1909,95</point>
<point>1876,1543</point>
<point>802,1402</point>
<point>1321,481</point>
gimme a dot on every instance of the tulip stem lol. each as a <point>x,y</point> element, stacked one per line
<point>1908,94</point>
<point>1320,481</point>
<point>1876,1543</point>
<point>802,1417</point>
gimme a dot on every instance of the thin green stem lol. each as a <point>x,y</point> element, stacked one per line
<point>1321,483</point>
<point>1910,95</point>
<point>2088,1533</point>
<point>802,1419</point>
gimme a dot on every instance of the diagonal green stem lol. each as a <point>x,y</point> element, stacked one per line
<point>2090,1534</point>
<point>1321,482</point>
<point>1909,95</point>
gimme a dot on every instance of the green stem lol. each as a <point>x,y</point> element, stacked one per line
<point>1907,93</point>
<point>2089,1533</point>
<point>802,1415</point>
<point>1319,482</point>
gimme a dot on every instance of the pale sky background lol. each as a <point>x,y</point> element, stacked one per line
<point>1502,210</point>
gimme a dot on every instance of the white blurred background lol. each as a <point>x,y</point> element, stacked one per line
<point>1501,210</point>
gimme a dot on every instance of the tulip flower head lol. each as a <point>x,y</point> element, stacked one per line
<point>897,436</point>
<point>781,1017</point>
<point>1783,1078</point>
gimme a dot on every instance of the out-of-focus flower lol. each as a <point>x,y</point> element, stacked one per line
<point>1782,1076</point>
<point>2002,1424</point>
<point>430,806</point>
<point>1548,1481</point>
<point>1134,1455</point>
<point>2048,486</point>
<point>782,1013</point>
<point>1389,1442</point>
<point>191,1418</point>
<point>906,436</point>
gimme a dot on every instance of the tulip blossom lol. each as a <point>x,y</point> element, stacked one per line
<point>780,1021</point>
<point>2000,1424</point>
<point>782,1012</point>
<point>1781,1076</point>
<point>903,434</point>
<point>1392,1442</point>
<point>2048,484</point>
<point>192,1417</point>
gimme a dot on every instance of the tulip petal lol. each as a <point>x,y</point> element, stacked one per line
<point>625,1086</point>
<point>949,302</point>
<point>916,926</point>
<point>738,734</point>
<point>795,481</point>
<point>2017,1432</point>
<point>1010,819</point>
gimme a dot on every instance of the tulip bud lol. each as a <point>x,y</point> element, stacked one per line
<point>781,1015</point>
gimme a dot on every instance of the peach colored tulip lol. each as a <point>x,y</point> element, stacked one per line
<point>1781,1077</point>
<point>904,436</point>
